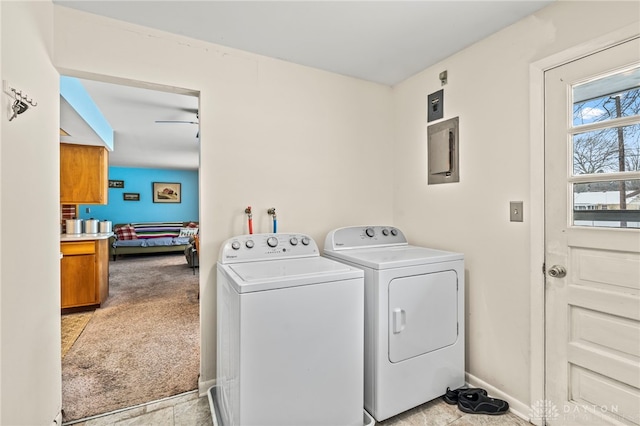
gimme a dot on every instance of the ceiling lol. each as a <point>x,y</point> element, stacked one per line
<point>139,141</point>
<point>380,41</point>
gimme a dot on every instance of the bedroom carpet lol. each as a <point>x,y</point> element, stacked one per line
<point>143,344</point>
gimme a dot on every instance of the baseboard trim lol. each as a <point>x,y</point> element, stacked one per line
<point>58,420</point>
<point>204,386</point>
<point>516,406</point>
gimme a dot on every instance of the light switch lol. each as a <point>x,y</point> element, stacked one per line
<point>515,209</point>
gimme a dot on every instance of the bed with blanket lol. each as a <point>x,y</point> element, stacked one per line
<point>151,237</point>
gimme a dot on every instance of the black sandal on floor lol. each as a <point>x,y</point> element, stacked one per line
<point>451,396</point>
<point>479,403</point>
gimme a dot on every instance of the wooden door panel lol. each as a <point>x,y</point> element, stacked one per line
<point>592,389</point>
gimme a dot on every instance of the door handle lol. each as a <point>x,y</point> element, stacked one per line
<point>399,320</point>
<point>557,271</point>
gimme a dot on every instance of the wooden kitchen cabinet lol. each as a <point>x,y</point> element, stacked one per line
<point>84,273</point>
<point>84,171</point>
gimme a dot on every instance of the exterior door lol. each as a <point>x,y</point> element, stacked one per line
<point>592,239</point>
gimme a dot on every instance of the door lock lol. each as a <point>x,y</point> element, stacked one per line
<point>557,271</point>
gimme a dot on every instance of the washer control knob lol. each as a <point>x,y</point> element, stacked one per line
<point>370,232</point>
<point>305,241</point>
<point>385,232</point>
<point>272,241</point>
<point>249,244</point>
<point>235,245</point>
<point>394,232</point>
<point>293,241</point>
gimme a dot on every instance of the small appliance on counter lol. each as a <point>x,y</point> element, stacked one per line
<point>91,226</point>
<point>106,227</point>
<point>73,226</point>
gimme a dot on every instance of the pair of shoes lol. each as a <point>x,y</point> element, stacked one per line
<point>476,401</point>
<point>451,396</point>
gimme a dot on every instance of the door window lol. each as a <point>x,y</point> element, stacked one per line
<point>605,146</point>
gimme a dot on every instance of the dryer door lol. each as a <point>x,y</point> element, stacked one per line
<point>423,314</point>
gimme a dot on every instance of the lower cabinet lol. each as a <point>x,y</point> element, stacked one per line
<point>84,271</point>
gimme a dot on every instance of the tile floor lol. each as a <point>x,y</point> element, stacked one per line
<point>189,410</point>
<point>439,413</point>
<point>181,410</point>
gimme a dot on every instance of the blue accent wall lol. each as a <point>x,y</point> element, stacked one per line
<point>139,180</point>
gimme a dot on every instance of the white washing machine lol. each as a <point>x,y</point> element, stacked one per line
<point>414,316</point>
<point>290,335</point>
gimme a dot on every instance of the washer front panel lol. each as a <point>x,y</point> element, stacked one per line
<point>260,247</point>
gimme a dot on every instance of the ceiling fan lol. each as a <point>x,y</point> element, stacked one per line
<point>197,122</point>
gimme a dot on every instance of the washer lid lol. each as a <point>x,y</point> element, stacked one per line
<point>275,274</point>
<point>394,257</point>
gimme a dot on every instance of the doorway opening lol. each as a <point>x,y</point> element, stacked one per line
<point>146,332</point>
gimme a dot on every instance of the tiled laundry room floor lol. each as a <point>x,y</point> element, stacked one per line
<point>189,410</point>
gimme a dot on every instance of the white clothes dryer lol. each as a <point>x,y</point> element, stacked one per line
<point>414,316</point>
<point>290,335</point>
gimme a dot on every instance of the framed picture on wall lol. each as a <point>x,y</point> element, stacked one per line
<point>131,196</point>
<point>116,183</point>
<point>167,192</point>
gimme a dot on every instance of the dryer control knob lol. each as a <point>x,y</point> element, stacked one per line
<point>272,241</point>
<point>385,232</point>
<point>370,232</point>
<point>305,241</point>
<point>394,232</point>
<point>293,241</point>
<point>249,244</point>
<point>235,245</point>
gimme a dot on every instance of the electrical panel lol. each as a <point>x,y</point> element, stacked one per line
<point>443,152</point>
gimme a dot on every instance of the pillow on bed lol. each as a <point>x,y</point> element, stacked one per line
<point>157,229</point>
<point>126,232</point>
<point>187,232</point>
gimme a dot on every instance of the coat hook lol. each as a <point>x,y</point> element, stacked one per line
<point>20,104</point>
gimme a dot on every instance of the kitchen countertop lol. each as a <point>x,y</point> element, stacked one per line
<point>84,237</point>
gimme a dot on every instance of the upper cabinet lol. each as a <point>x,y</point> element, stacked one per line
<point>83,174</point>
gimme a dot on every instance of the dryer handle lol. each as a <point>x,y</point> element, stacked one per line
<point>399,320</point>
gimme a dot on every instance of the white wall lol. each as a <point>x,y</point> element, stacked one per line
<point>489,90</point>
<point>29,226</point>
<point>314,145</point>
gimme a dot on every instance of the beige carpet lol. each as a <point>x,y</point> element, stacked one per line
<point>72,326</point>
<point>143,344</point>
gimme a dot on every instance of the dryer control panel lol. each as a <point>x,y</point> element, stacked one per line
<point>260,247</point>
<point>364,236</point>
